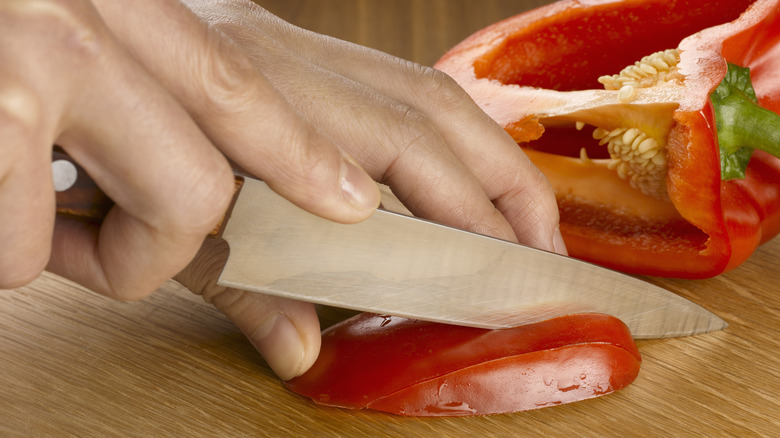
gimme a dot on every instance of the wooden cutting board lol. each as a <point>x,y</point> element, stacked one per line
<point>76,364</point>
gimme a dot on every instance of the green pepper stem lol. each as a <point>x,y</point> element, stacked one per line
<point>742,124</point>
<point>746,124</point>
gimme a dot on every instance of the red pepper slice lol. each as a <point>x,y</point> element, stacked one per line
<point>412,367</point>
<point>706,225</point>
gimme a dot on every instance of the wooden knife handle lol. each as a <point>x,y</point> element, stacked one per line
<point>79,196</point>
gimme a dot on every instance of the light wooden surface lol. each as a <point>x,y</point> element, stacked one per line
<point>76,364</point>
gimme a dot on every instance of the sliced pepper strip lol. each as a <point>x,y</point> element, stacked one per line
<point>418,368</point>
<point>516,69</point>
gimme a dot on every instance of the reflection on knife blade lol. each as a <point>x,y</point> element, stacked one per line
<point>395,264</point>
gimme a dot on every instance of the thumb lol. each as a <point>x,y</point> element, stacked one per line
<point>285,332</point>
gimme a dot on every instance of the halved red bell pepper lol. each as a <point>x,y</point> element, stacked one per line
<point>419,368</point>
<point>536,74</point>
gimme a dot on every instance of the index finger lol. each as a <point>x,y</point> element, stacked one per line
<point>241,112</point>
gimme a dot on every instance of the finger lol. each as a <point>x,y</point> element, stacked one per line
<point>516,187</point>
<point>241,112</point>
<point>397,144</point>
<point>285,332</point>
<point>26,193</point>
<point>169,183</point>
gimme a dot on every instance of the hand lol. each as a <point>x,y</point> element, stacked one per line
<point>64,78</point>
<point>153,130</point>
<point>150,100</point>
<point>410,126</point>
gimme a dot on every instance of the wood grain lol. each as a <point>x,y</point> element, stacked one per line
<point>76,364</point>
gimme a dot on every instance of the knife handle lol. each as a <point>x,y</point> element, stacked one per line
<point>79,196</point>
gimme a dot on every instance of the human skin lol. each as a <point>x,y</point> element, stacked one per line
<point>158,100</point>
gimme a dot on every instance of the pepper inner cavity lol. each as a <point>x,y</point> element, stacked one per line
<point>635,124</point>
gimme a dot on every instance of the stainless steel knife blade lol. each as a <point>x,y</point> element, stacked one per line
<point>400,265</point>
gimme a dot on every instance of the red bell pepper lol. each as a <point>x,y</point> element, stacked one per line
<point>537,74</point>
<point>419,368</point>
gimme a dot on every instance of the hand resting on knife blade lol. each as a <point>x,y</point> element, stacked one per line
<point>158,98</point>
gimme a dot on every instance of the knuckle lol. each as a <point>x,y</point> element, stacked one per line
<point>437,87</point>
<point>209,196</point>
<point>191,204</point>
<point>20,112</point>
<point>70,26</point>
<point>305,160</point>
<point>224,74</point>
<point>415,130</point>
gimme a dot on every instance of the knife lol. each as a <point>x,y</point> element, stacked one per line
<point>399,265</point>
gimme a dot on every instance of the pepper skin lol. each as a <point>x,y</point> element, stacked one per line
<point>417,368</point>
<point>701,226</point>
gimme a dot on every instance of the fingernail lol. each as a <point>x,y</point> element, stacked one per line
<point>358,188</point>
<point>278,341</point>
<point>558,244</point>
